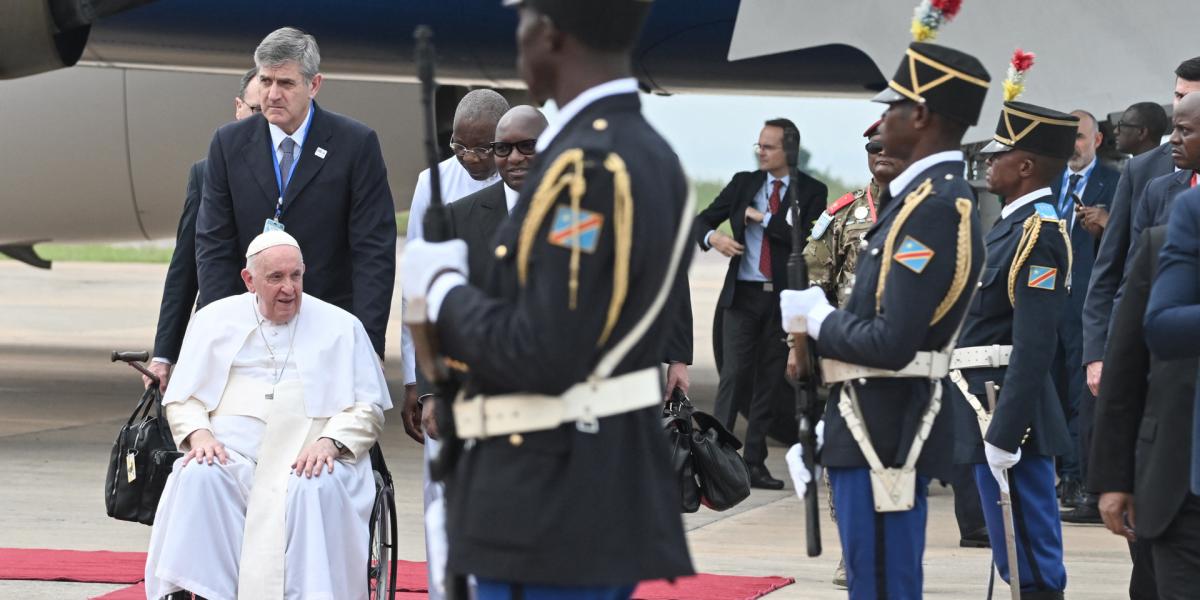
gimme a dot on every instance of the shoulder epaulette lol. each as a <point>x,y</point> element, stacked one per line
<point>841,203</point>
<point>1046,212</point>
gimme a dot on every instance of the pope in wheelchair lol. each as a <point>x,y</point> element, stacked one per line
<point>277,401</point>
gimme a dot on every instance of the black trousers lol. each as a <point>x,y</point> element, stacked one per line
<point>968,510</point>
<point>1176,554</point>
<point>754,356</point>
<point>1141,580</point>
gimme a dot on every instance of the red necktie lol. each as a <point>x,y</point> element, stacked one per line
<point>764,256</point>
<point>1194,176</point>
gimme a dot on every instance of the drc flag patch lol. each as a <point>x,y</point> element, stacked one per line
<point>913,254</point>
<point>1042,278</point>
<point>570,228</point>
<point>1046,212</point>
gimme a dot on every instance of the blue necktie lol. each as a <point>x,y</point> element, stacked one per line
<point>1064,205</point>
<point>287,147</point>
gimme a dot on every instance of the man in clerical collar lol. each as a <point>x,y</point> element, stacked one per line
<point>277,400</point>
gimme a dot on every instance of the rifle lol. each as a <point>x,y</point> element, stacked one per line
<point>806,391</point>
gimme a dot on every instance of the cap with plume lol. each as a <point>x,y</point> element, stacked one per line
<point>1014,84</point>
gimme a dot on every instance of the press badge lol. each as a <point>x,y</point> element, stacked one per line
<point>272,225</point>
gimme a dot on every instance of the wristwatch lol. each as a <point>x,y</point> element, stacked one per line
<point>336,444</point>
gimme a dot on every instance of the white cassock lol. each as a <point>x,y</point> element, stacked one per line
<point>295,537</point>
<point>456,184</point>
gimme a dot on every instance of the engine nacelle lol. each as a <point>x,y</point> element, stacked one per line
<point>43,35</point>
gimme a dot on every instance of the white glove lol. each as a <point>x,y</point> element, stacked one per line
<point>422,261</point>
<point>999,460</point>
<point>800,475</point>
<point>820,429</point>
<point>804,310</point>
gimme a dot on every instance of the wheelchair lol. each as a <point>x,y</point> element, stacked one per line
<point>381,558</point>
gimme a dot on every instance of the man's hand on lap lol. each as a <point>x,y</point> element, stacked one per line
<point>205,447</point>
<point>320,453</point>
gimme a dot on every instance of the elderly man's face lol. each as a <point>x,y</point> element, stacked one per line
<point>474,137</point>
<point>277,279</point>
<point>285,95</point>
<point>248,105</point>
<point>1087,139</point>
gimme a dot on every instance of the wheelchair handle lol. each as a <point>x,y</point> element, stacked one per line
<point>130,357</point>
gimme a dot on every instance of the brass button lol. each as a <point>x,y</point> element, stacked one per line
<point>516,439</point>
<point>501,251</point>
<point>600,124</point>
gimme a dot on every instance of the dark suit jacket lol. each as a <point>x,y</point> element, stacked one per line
<point>179,290</point>
<point>730,205</point>
<point>1027,401</point>
<point>890,337</point>
<point>1101,186</point>
<point>1144,412</point>
<point>1114,246</point>
<point>561,506</point>
<point>474,219</point>
<point>1155,207</point>
<point>338,207</point>
<point>1173,314</point>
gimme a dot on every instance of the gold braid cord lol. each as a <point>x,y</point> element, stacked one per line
<point>567,172</point>
<point>623,230</point>
<point>962,260</point>
<point>551,185</point>
<point>914,199</point>
<point>1029,237</point>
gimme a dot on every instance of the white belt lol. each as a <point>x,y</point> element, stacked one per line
<point>929,365</point>
<point>584,403</point>
<point>975,357</point>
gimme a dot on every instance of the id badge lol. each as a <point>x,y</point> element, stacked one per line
<point>130,467</point>
<point>272,225</point>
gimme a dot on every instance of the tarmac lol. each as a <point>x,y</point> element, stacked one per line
<point>62,402</point>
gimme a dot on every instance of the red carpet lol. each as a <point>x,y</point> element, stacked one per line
<point>127,567</point>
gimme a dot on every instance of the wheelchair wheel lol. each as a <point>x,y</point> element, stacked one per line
<point>381,568</point>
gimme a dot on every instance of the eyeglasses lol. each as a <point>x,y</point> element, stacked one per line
<point>526,147</point>
<point>461,151</point>
<point>254,108</point>
<point>1123,125</point>
<point>764,147</point>
<point>874,147</point>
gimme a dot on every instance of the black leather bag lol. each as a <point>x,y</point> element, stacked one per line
<point>142,458</point>
<point>704,457</point>
<point>677,422</point>
<point>723,475</point>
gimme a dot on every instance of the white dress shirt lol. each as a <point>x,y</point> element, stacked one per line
<point>297,136</point>
<point>1012,207</point>
<point>510,197</point>
<point>908,175</point>
<point>626,85</point>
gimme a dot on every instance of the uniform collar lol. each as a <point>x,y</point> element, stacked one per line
<point>625,85</point>
<point>898,185</point>
<point>1029,198</point>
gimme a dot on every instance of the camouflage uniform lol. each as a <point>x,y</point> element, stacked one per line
<point>832,251</point>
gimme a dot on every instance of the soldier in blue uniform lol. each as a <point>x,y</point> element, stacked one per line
<point>563,487</point>
<point>1007,345</point>
<point>888,348</point>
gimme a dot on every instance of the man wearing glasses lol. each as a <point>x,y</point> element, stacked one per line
<point>471,169</point>
<point>476,217</point>
<point>753,353</point>
<point>1141,128</point>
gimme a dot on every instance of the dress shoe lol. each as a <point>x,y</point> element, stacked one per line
<point>839,574</point>
<point>1086,512</point>
<point>760,477</point>
<point>1072,494</point>
<point>976,539</point>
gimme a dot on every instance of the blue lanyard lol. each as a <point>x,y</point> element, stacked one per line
<point>295,161</point>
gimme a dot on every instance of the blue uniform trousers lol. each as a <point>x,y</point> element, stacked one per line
<point>1036,524</point>
<point>488,589</point>
<point>883,551</point>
